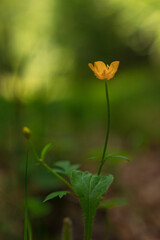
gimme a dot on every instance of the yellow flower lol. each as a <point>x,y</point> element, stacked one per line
<point>102,71</point>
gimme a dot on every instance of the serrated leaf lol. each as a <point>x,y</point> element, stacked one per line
<point>90,188</point>
<point>113,202</point>
<point>45,150</point>
<point>65,168</point>
<point>113,155</point>
<point>59,194</point>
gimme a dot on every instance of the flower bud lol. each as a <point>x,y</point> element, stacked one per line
<point>67,229</point>
<point>26,132</point>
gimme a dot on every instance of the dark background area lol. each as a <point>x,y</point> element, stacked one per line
<point>46,84</point>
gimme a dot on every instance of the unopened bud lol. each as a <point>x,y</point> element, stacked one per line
<point>26,132</point>
<point>67,229</point>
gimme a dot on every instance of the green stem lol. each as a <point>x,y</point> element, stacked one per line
<point>41,161</point>
<point>88,228</point>
<point>29,230</point>
<point>26,199</point>
<point>89,217</point>
<point>107,133</point>
<point>57,175</point>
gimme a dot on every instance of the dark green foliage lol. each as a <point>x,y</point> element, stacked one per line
<point>90,188</point>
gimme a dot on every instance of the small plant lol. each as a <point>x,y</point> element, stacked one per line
<point>87,187</point>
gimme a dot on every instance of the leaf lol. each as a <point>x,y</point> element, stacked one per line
<point>113,202</point>
<point>113,155</point>
<point>65,168</point>
<point>59,194</point>
<point>45,150</point>
<point>90,188</point>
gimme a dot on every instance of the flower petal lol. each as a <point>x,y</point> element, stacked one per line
<point>91,66</point>
<point>114,66</point>
<point>93,69</point>
<point>100,66</point>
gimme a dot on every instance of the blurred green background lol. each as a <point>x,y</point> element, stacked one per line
<point>46,84</point>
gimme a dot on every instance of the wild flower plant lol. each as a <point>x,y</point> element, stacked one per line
<point>87,187</point>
